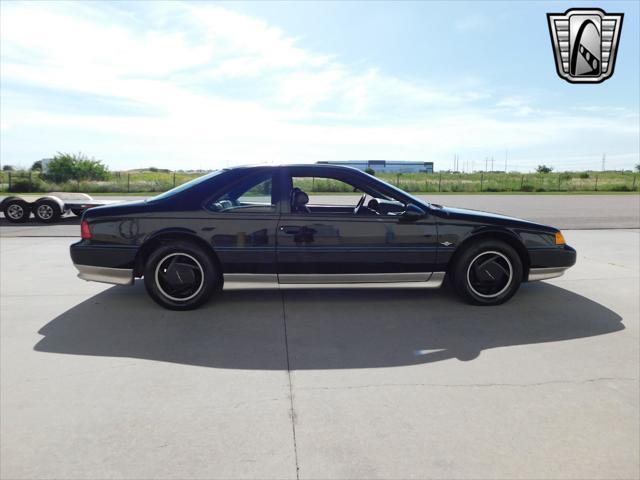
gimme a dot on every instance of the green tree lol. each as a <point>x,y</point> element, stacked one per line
<point>544,169</point>
<point>7,168</point>
<point>638,167</point>
<point>370,171</point>
<point>37,166</point>
<point>66,166</point>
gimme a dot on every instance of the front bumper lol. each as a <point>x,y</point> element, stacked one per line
<point>104,263</point>
<point>550,263</point>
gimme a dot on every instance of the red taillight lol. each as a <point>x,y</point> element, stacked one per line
<point>85,231</point>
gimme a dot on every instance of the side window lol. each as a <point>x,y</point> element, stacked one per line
<point>254,194</point>
<point>332,196</point>
<point>328,191</point>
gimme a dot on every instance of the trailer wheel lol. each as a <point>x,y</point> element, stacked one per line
<point>16,210</point>
<point>47,211</point>
<point>77,211</point>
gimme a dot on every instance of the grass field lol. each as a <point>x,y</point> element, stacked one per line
<point>150,182</point>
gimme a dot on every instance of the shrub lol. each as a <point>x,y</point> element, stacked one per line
<point>65,167</point>
<point>584,175</point>
<point>620,188</point>
<point>23,185</point>
<point>544,169</point>
<point>370,171</point>
<point>526,188</point>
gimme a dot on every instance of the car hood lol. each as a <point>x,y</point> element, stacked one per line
<point>492,218</point>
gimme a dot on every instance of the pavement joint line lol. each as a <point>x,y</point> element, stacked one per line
<point>292,408</point>
<point>478,385</point>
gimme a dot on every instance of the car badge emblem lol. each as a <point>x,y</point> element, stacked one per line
<point>585,43</point>
<point>446,244</point>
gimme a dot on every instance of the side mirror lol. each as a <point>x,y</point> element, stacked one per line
<point>413,212</point>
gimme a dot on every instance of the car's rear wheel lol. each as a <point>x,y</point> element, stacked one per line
<point>488,272</point>
<point>180,276</point>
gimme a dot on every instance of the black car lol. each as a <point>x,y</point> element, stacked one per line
<point>257,226</point>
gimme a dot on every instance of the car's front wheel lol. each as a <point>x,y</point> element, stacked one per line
<point>180,276</point>
<point>488,272</point>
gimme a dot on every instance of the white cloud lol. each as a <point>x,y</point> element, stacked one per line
<point>212,87</point>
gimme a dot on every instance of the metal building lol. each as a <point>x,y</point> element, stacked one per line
<point>391,166</point>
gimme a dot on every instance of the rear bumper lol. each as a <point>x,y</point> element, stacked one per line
<point>550,263</point>
<point>104,263</point>
<point>117,276</point>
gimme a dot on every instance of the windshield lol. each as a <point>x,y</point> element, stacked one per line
<point>185,186</point>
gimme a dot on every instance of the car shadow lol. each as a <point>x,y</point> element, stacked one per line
<point>325,329</point>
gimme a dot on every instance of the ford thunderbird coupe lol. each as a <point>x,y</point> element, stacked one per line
<point>262,226</point>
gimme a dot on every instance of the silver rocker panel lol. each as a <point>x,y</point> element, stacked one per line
<point>349,280</point>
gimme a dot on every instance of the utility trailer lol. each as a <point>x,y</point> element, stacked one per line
<point>48,208</point>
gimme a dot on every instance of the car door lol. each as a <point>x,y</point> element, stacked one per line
<point>242,225</point>
<point>330,244</point>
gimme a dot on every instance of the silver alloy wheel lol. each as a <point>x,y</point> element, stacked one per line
<point>504,261</point>
<point>15,211</point>
<point>45,212</point>
<point>158,272</point>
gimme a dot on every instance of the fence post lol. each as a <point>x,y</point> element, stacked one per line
<point>398,180</point>
<point>521,182</point>
<point>174,179</point>
<point>313,184</point>
<point>30,184</point>
<point>596,183</point>
<point>128,182</point>
<point>635,177</point>
<point>440,182</point>
<point>9,180</point>
<point>481,180</point>
<point>559,177</point>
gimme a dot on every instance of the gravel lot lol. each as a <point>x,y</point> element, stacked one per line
<point>99,382</point>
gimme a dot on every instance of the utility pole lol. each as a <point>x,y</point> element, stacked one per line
<point>604,155</point>
<point>486,163</point>
<point>492,164</point>
<point>506,157</point>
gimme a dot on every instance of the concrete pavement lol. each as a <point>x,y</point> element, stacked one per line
<point>99,382</point>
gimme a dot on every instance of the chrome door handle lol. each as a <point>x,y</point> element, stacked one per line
<point>290,229</point>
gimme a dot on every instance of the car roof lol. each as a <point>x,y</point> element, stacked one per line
<point>326,166</point>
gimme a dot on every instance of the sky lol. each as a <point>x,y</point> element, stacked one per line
<point>197,85</point>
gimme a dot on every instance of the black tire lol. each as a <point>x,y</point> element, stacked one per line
<point>180,275</point>
<point>47,211</point>
<point>77,211</point>
<point>16,210</point>
<point>488,272</point>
